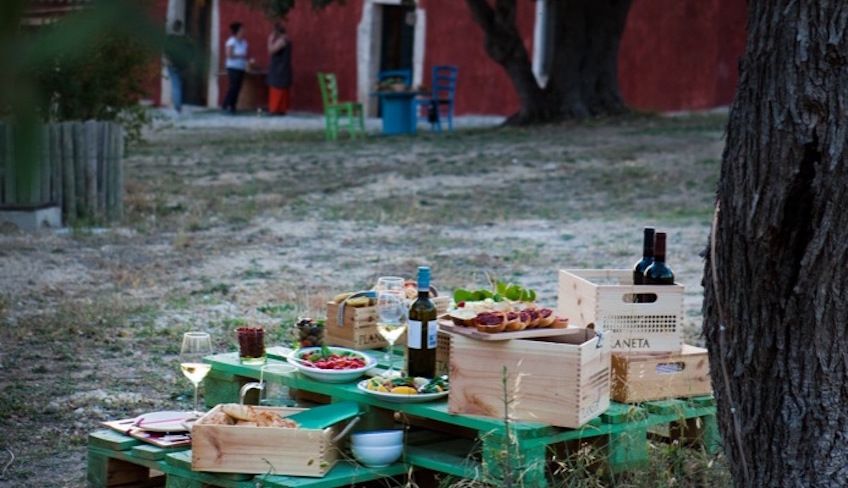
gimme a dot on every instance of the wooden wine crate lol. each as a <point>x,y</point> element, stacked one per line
<point>604,299</point>
<point>260,450</point>
<point>646,377</point>
<point>357,330</point>
<point>443,341</point>
<point>442,304</point>
<point>562,380</point>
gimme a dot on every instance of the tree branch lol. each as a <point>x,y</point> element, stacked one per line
<point>483,14</point>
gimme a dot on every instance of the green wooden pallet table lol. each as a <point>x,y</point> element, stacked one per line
<point>118,460</point>
<point>625,427</point>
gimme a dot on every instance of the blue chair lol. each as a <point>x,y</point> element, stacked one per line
<point>440,103</point>
<point>404,74</point>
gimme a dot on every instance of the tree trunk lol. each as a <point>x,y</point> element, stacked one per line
<point>585,65</point>
<point>584,73</point>
<point>776,306</point>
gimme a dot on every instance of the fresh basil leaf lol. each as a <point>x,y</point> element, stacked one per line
<point>462,295</point>
<point>500,287</point>
<point>532,296</point>
<point>513,292</point>
<point>497,297</point>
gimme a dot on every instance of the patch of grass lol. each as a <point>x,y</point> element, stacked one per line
<point>222,288</point>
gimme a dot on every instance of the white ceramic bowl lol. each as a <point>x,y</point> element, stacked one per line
<point>331,375</point>
<point>377,457</point>
<point>377,438</point>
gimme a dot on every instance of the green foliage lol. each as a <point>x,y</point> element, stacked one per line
<point>104,84</point>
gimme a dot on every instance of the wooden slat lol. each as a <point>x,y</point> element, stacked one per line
<point>109,170</point>
<point>90,171</point>
<point>43,180</point>
<point>666,407</point>
<point>69,190</point>
<point>11,195</point>
<point>56,164</point>
<point>3,175</point>
<point>79,168</point>
<point>119,173</point>
<point>102,167</point>
<point>109,439</point>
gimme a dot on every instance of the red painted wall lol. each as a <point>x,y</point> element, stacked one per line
<point>681,55</point>
<point>323,41</point>
<point>453,38</point>
<point>674,55</point>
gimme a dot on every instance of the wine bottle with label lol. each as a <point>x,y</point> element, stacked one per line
<point>422,332</point>
<point>658,273</point>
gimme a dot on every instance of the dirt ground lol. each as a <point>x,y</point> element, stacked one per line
<point>224,225</point>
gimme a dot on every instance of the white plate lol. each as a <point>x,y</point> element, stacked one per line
<point>165,421</point>
<point>398,398</point>
<point>331,375</point>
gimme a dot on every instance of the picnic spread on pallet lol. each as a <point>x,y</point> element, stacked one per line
<point>485,372</point>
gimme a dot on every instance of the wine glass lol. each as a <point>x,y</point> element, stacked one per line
<point>196,345</point>
<point>389,283</point>
<point>391,309</point>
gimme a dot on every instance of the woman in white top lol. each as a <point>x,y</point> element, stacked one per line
<point>236,65</point>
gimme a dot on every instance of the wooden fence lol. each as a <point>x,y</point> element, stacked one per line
<point>80,169</point>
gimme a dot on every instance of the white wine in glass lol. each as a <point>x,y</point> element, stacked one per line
<point>196,346</point>
<point>391,332</point>
<point>391,310</point>
<point>195,372</point>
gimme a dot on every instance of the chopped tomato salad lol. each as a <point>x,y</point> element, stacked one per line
<point>335,361</point>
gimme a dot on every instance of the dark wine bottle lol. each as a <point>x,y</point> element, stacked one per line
<point>658,273</point>
<point>647,256</point>
<point>422,333</point>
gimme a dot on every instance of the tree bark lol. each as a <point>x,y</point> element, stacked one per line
<point>585,64</point>
<point>776,306</point>
<point>584,68</point>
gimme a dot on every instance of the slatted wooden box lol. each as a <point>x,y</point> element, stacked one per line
<point>561,380</point>
<point>646,377</point>
<point>260,450</point>
<point>604,299</point>
<point>358,330</point>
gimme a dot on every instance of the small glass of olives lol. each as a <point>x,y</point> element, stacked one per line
<point>309,332</point>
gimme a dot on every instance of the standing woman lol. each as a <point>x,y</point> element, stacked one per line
<point>279,70</point>
<point>236,65</point>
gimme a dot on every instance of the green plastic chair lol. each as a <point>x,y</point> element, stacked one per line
<point>334,110</point>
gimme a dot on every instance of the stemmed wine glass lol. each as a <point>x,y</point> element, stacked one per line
<point>391,309</point>
<point>196,345</point>
<point>389,283</point>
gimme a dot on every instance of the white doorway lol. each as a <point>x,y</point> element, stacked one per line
<point>201,22</point>
<point>377,17</point>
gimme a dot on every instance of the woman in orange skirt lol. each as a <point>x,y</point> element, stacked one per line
<point>279,70</point>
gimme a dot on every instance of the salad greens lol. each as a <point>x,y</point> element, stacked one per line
<point>502,291</point>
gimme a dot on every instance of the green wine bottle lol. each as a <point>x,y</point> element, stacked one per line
<point>658,273</point>
<point>422,333</point>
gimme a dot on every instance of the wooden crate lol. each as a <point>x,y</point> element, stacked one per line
<point>443,353</point>
<point>357,330</point>
<point>259,450</point>
<point>562,380</point>
<point>646,377</point>
<point>442,304</point>
<point>604,299</point>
